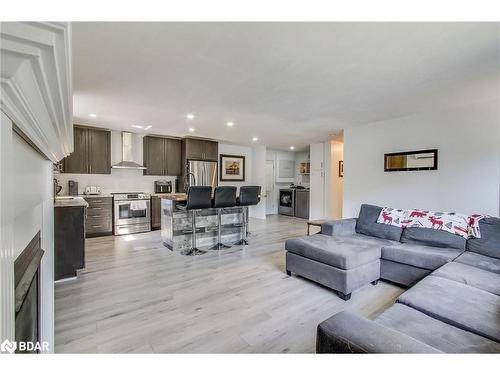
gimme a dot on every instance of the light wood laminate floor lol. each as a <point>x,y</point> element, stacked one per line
<point>137,296</point>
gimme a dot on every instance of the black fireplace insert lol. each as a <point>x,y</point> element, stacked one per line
<point>27,297</point>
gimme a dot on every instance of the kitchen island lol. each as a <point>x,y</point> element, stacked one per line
<point>176,230</point>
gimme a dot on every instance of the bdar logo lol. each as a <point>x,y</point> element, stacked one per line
<point>8,346</point>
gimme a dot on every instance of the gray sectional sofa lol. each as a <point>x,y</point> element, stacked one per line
<point>452,305</point>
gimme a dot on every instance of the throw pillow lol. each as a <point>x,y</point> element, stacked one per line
<point>393,216</point>
<point>451,222</point>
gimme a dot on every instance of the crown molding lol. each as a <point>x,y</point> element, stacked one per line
<point>36,83</point>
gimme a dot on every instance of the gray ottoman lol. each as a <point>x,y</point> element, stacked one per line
<point>342,263</point>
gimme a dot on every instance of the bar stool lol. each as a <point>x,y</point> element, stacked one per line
<point>198,198</point>
<point>249,196</point>
<point>224,196</point>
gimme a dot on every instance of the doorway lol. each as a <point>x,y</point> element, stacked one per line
<point>270,188</point>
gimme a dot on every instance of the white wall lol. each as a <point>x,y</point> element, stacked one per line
<point>34,211</point>
<point>317,202</point>
<point>255,171</point>
<point>468,175</point>
<point>259,178</point>
<point>119,181</point>
<point>336,182</point>
<point>245,151</point>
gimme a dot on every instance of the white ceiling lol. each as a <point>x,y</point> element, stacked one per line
<point>285,83</point>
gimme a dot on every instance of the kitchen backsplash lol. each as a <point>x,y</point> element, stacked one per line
<point>119,181</point>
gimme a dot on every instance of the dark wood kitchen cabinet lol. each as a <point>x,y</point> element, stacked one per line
<point>155,212</point>
<point>69,241</point>
<point>154,156</point>
<point>77,161</point>
<point>173,152</point>
<point>99,220</point>
<point>99,151</point>
<point>200,149</point>
<point>92,151</point>
<point>162,156</point>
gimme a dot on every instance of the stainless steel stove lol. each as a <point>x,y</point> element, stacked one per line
<point>132,212</point>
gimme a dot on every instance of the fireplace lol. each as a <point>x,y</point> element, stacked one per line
<point>27,297</point>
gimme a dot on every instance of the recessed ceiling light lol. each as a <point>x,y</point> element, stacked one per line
<point>292,147</point>
<point>93,115</point>
<point>230,124</point>
<point>148,127</point>
<point>190,116</point>
<point>255,139</point>
<point>137,126</point>
<point>191,130</point>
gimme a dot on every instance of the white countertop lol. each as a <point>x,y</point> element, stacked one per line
<point>96,195</point>
<point>68,201</point>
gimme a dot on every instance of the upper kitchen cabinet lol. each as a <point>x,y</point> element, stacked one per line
<point>76,162</point>
<point>154,156</point>
<point>173,155</point>
<point>99,151</point>
<point>211,150</point>
<point>92,152</point>
<point>200,149</point>
<point>162,156</point>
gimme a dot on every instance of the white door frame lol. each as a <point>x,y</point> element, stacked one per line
<point>271,194</point>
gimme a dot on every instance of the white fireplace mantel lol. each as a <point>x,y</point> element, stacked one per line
<point>36,85</point>
<point>36,97</point>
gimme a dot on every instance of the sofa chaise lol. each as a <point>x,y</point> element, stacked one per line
<point>452,305</point>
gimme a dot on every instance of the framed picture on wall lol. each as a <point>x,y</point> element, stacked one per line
<point>341,168</point>
<point>232,167</point>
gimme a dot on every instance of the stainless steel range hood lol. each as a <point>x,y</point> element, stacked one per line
<point>129,141</point>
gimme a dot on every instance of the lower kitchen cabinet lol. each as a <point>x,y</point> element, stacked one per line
<point>155,212</point>
<point>69,241</point>
<point>99,220</point>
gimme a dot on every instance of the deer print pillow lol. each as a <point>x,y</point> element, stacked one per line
<point>393,216</point>
<point>451,222</point>
<point>474,230</point>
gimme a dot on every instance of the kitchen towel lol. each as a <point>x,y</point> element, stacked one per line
<point>138,206</point>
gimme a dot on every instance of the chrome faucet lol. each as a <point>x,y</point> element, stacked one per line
<point>187,181</point>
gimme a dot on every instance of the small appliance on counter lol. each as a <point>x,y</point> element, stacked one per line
<point>57,187</point>
<point>73,188</point>
<point>92,190</point>
<point>163,186</point>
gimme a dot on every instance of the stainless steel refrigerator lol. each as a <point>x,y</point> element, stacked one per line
<point>202,173</point>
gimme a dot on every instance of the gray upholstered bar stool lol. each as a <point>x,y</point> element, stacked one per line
<point>198,198</point>
<point>249,196</point>
<point>224,196</point>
